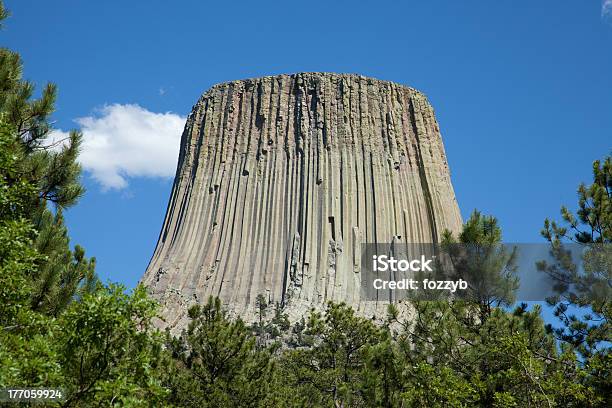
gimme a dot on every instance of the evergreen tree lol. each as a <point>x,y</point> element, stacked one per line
<point>261,305</point>
<point>479,257</point>
<point>489,358</point>
<point>108,350</point>
<point>216,362</point>
<point>27,355</point>
<point>583,302</point>
<point>65,275</point>
<point>52,171</point>
<point>590,288</point>
<point>329,373</point>
<point>279,324</point>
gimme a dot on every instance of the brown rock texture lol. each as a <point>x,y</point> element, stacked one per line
<point>281,179</point>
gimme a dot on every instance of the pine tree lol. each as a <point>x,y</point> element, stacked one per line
<point>52,170</point>
<point>583,302</point>
<point>108,348</point>
<point>65,275</point>
<point>590,288</point>
<point>27,355</point>
<point>445,354</point>
<point>479,257</point>
<point>330,371</point>
<point>216,362</point>
<point>261,304</point>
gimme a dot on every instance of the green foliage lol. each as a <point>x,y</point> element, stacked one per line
<point>470,352</point>
<point>430,386</point>
<point>62,275</point>
<point>216,363</point>
<point>108,348</point>
<point>99,348</point>
<point>271,329</point>
<point>3,14</point>
<point>479,257</point>
<point>279,323</point>
<point>35,172</point>
<point>15,190</point>
<point>508,356</point>
<point>52,168</point>
<point>331,371</point>
<point>27,357</point>
<point>590,287</point>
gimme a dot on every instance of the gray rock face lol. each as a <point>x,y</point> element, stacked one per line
<point>281,179</point>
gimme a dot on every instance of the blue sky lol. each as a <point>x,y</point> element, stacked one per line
<point>522,91</point>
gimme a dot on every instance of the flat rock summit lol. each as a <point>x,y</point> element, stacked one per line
<point>281,179</point>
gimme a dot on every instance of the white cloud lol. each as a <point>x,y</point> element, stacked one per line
<point>606,9</point>
<point>128,141</point>
<point>56,140</point>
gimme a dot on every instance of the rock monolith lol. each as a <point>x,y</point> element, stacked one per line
<point>281,179</point>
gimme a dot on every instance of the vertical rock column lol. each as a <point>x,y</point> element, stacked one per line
<point>281,179</point>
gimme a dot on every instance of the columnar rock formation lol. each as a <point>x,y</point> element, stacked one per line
<point>281,179</point>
